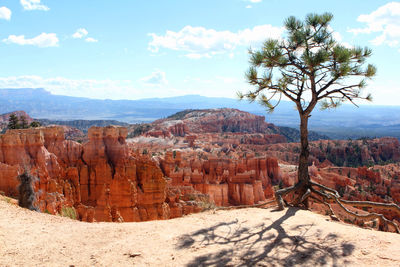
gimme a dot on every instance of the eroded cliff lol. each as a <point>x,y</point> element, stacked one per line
<point>106,179</point>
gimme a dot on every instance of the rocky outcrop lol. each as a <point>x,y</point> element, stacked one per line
<point>105,179</point>
<point>226,181</point>
<point>262,139</point>
<point>119,185</point>
<point>371,176</point>
<point>25,149</point>
<point>224,120</point>
<point>102,180</point>
<point>351,153</point>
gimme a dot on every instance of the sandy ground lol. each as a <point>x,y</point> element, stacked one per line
<point>246,237</point>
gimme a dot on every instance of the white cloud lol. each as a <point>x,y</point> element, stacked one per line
<point>33,5</point>
<point>91,40</point>
<point>248,6</point>
<point>5,13</point>
<point>157,78</point>
<point>42,40</point>
<point>80,33</point>
<point>338,37</point>
<point>113,89</point>
<point>92,88</point>
<point>200,42</point>
<point>384,21</point>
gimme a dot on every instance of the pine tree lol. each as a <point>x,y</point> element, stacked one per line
<point>309,67</point>
<point>35,124</point>
<point>13,122</point>
<point>23,123</point>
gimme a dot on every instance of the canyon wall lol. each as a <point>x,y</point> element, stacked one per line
<point>101,179</point>
<point>105,179</point>
<point>226,181</point>
<point>211,121</point>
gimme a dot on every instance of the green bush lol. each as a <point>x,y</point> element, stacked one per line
<point>205,203</point>
<point>69,212</point>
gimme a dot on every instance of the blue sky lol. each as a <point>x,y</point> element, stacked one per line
<point>124,49</point>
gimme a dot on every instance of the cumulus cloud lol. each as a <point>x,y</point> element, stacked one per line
<point>338,37</point>
<point>5,13</point>
<point>33,5</point>
<point>157,78</point>
<point>42,40</point>
<point>91,40</point>
<point>198,42</point>
<point>254,1</point>
<point>80,33</point>
<point>384,21</point>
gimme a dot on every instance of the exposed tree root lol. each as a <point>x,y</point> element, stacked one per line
<point>305,196</point>
<point>332,213</point>
<point>283,192</point>
<point>369,204</point>
<point>371,215</point>
<point>328,195</point>
<point>333,191</point>
<point>245,206</point>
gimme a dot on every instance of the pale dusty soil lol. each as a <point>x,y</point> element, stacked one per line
<point>246,237</point>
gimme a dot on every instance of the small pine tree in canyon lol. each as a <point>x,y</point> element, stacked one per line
<point>26,192</point>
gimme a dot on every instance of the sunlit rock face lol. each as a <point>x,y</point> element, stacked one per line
<point>102,179</point>
<point>105,179</point>
<point>225,120</point>
<point>109,178</point>
<point>226,181</point>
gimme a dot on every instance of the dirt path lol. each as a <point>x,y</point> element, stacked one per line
<point>246,237</point>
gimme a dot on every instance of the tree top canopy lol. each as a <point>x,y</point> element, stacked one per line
<point>308,66</point>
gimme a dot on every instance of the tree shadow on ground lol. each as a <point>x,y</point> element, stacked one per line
<point>266,245</point>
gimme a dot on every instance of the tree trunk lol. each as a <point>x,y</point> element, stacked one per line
<point>303,185</point>
<point>302,173</point>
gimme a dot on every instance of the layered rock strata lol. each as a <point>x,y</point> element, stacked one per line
<point>102,179</point>
<point>226,181</point>
<point>106,180</point>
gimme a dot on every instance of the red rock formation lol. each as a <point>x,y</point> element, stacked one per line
<point>25,149</point>
<point>342,152</point>
<point>8,184</point>
<point>217,121</point>
<point>262,139</point>
<point>190,139</point>
<point>370,175</point>
<point>102,179</point>
<point>226,181</point>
